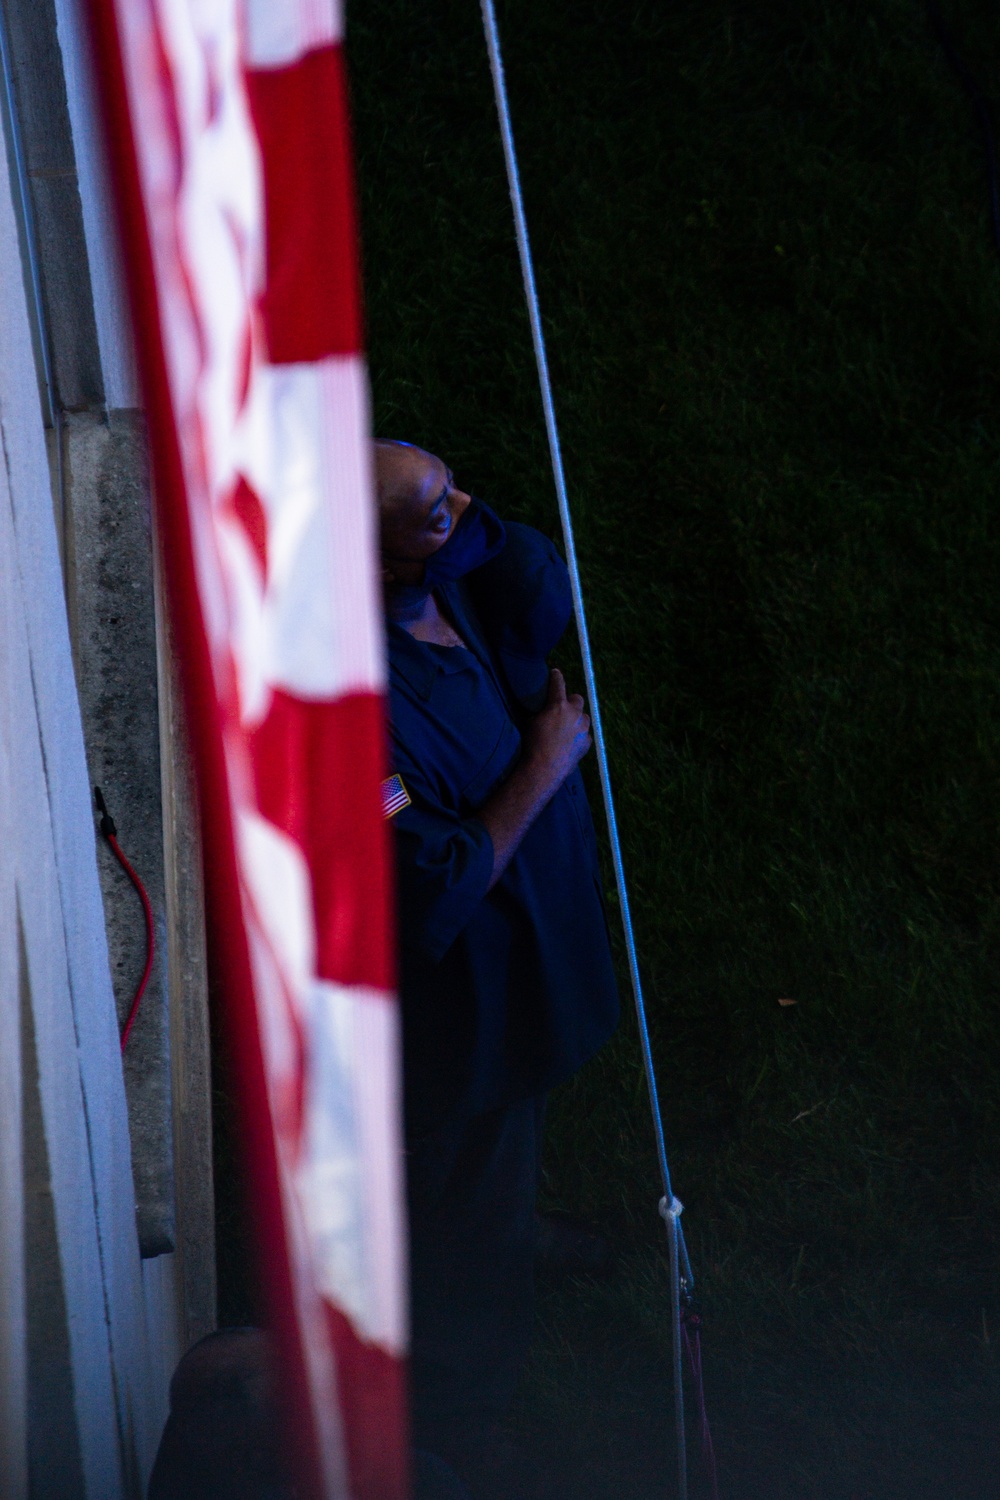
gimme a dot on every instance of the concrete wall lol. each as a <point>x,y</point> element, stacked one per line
<point>134,724</point>
<point>109,584</point>
<point>80,1397</point>
<point>103,518</point>
<point>107,1252</point>
<point>187,968</point>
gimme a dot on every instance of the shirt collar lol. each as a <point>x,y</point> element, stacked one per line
<point>419,663</point>
<point>410,659</point>
<point>416,661</point>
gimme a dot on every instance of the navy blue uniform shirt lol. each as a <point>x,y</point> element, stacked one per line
<point>505,992</point>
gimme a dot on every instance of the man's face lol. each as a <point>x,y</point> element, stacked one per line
<point>419,508</point>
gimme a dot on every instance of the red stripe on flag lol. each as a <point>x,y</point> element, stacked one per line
<point>312,302</point>
<point>370,1385</point>
<point>319,768</point>
<point>246,504</point>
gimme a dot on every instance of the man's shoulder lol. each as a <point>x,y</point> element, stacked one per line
<point>527,556</point>
<point>524,590</point>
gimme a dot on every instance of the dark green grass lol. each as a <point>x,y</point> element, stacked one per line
<point>774,318</point>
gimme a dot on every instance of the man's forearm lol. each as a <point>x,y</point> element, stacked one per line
<point>510,812</point>
<point>556,741</point>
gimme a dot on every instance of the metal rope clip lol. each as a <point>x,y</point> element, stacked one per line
<point>671,1210</point>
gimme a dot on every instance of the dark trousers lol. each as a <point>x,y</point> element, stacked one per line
<point>471,1189</point>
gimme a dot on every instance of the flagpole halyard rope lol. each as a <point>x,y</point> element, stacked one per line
<point>681,1277</point>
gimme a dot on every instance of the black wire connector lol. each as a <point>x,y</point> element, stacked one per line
<point>107,821</point>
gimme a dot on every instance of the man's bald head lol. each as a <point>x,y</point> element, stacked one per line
<point>419,507</point>
<point>401,472</point>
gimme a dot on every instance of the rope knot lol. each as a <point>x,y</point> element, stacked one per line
<point>671,1210</point>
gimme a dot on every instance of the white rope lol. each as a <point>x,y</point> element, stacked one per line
<point>670,1212</point>
<point>680,1268</point>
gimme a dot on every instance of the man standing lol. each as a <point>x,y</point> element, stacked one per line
<point>506,977</point>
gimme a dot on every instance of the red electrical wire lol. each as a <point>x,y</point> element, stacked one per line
<point>110,832</point>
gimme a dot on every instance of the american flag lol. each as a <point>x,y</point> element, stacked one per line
<point>394,796</point>
<point>229,139</point>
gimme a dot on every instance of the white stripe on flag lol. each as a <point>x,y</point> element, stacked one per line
<point>347,1168</point>
<point>350,1173</point>
<point>200,174</point>
<point>270,986</point>
<point>279,32</point>
<point>304,450</point>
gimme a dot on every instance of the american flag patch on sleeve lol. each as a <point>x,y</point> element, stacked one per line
<point>394,796</point>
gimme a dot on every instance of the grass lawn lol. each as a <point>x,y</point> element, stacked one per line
<point>773,308</point>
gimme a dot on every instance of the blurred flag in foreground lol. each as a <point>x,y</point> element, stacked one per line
<point>229,139</point>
